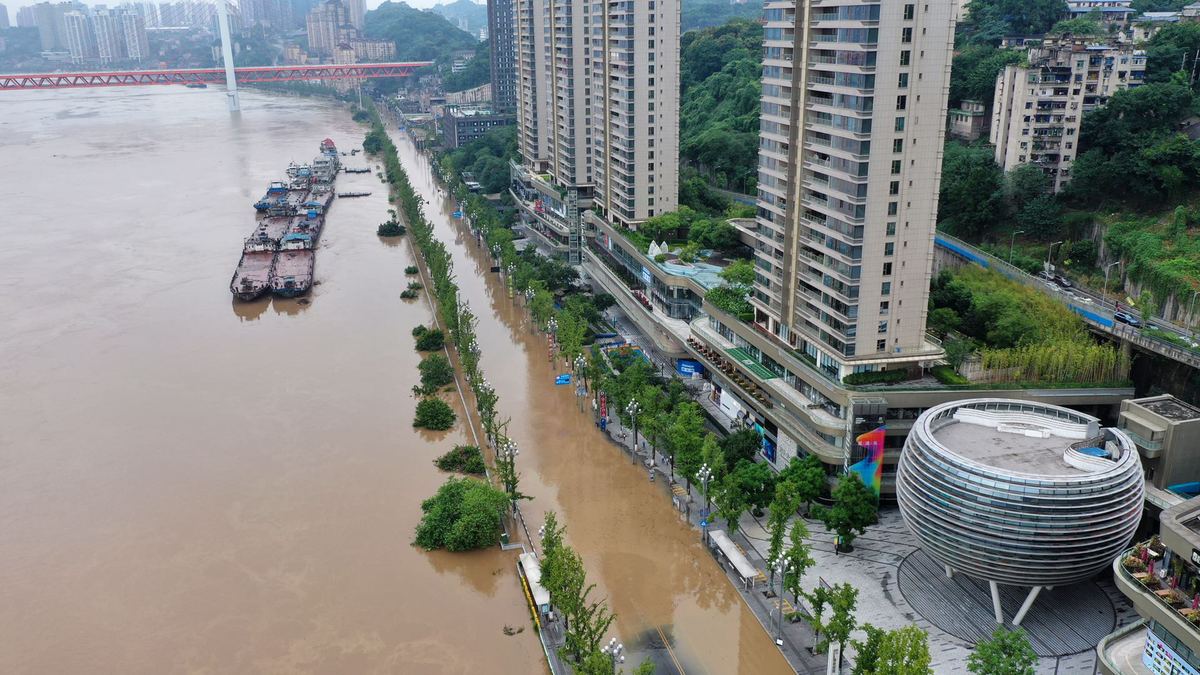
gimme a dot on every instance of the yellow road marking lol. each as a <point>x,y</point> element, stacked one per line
<point>670,652</point>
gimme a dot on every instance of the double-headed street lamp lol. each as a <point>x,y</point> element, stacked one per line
<point>781,566</point>
<point>615,651</point>
<point>508,469</point>
<point>704,475</point>
<point>632,410</point>
<point>580,389</point>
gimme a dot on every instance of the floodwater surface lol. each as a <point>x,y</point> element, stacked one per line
<point>661,583</point>
<point>192,485</point>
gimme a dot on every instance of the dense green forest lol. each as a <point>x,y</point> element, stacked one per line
<point>718,113</point>
<point>708,13</point>
<point>486,157</point>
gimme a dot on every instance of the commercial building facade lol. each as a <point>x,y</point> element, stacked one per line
<point>1161,577</point>
<point>1166,432</point>
<point>1038,107</point>
<point>1019,493</point>
<point>463,125</point>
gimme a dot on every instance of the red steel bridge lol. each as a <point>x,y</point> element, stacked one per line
<point>126,78</point>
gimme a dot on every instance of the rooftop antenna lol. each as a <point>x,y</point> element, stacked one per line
<point>227,56</point>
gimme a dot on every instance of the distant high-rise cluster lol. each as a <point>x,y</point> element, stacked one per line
<point>104,35</point>
<point>267,13</point>
<point>335,30</point>
<point>4,17</point>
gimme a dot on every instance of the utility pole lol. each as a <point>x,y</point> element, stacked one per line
<point>227,55</point>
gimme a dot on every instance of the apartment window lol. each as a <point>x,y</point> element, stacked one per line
<point>894,187</point>
<point>903,83</point>
<point>905,57</point>
<point>884,307</point>
<point>898,145</point>
<point>901,102</point>
<point>889,248</point>
<point>906,35</point>
<point>896,164</point>
<point>891,229</point>
<point>899,124</point>
<point>893,207</point>
<point>883,326</point>
<point>908,12</point>
<point>887,269</point>
<point>885,288</point>
<point>880,345</point>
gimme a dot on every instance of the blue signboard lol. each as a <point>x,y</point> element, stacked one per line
<point>688,367</point>
<point>646,277</point>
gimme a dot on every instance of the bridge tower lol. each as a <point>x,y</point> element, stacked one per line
<point>227,56</point>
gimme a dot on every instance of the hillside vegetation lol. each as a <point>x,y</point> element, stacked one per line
<point>419,36</point>
<point>718,116</point>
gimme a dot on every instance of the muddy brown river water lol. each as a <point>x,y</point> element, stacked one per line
<point>189,485</point>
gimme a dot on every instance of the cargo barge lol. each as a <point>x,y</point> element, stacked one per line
<point>280,256</point>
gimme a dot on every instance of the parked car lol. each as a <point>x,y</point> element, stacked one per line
<point>1045,275</point>
<point>1127,318</point>
<point>1062,281</point>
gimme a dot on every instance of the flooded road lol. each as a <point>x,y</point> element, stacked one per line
<point>660,582</point>
<point>193,486</point>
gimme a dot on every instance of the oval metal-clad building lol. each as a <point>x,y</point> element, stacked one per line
<point>1019,493</point>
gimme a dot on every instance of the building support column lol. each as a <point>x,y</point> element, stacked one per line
<point>996,603</point>
<point>1029,599</point>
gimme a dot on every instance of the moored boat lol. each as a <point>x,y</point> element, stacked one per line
<point>292,274</point>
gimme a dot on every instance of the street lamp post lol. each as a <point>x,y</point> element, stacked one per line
<point>1012,242</point>
<point>1106,269</point>
<point>615,651</point>
<point>508,455</point>
<point>1049,251</point>
<point>632,410</point>
<point>704,475</point>
<point>780,566</point>
<point>580,389</point>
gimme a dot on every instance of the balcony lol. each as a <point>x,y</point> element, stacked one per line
<point>1166,593</point>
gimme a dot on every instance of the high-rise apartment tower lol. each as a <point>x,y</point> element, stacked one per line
<point>504,54</point>
<point>850,152</point>
<point>597,112</point>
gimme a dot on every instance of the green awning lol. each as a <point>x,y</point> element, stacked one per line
<point>746,361</point>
